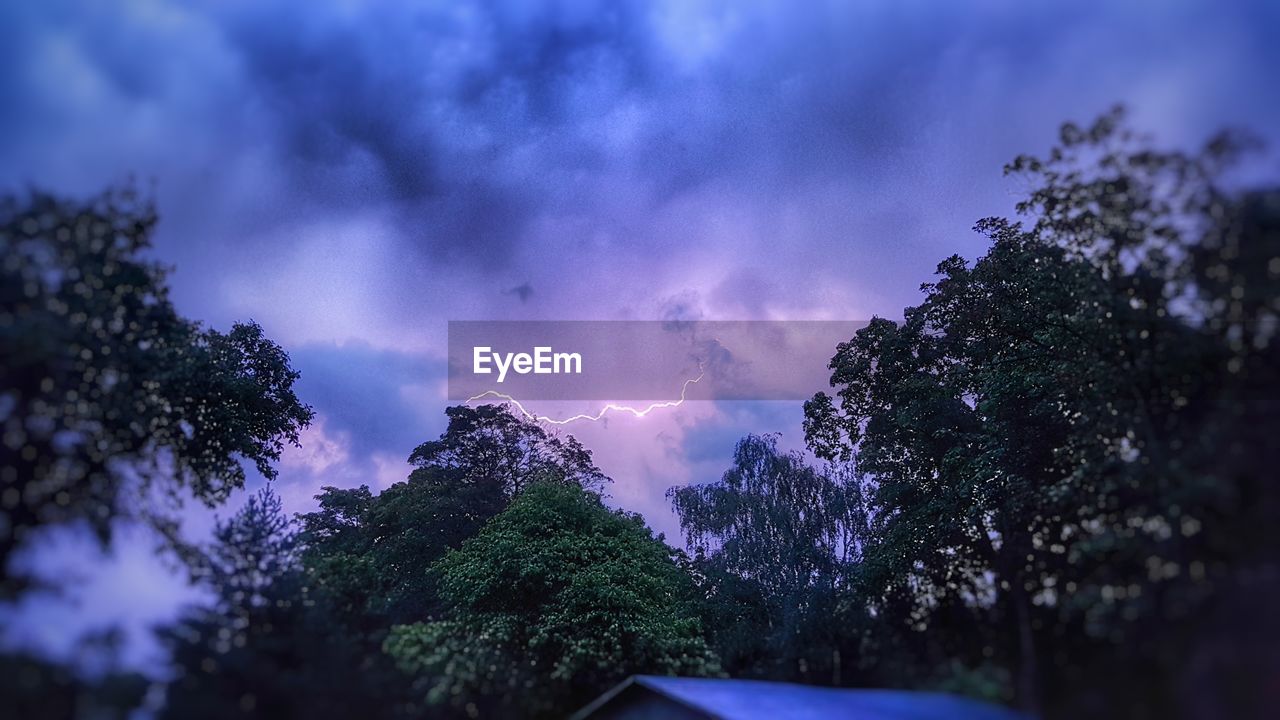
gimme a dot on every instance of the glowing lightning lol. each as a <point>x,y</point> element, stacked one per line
<point>593,418</point>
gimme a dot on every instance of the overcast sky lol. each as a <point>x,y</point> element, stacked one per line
<point>352,175</point>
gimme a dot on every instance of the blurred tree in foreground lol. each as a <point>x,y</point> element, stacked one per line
<point>35,688</point>
<point>1071,442</point>
<point>268,644</point>
<point>101,381</point>
<point>243,655</point>
<point>554,601</point>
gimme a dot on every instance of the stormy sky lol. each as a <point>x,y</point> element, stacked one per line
<point>352,175</point>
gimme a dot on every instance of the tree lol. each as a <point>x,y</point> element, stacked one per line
<point>35,688</point>
<point>773,537</point>
<point>243,655</point>
<point>371,554</point>
<point>555,600</point>
<point>1044,432</point>
<point>490,446</point>
<point>265,646</point>
<point>101,379</point>
<point>369,557</point>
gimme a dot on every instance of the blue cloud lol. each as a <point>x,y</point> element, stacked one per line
<point>361,391</point>
<point>710,444</point>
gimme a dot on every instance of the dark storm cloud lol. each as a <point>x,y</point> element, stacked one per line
<point>469,122</point>
<point>425,107</point>
<point>484,134</point>
<point>474,119</point>
<point>333,92</point>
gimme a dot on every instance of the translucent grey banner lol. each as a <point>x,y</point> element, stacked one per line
<point>627,360</point>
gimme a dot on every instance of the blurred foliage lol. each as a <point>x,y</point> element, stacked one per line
<point>35,688</point>
<point>102,381</point>
<point>110,400</point>
<point>271,644</point>
<point>243,654</point>
<point>557,599</point>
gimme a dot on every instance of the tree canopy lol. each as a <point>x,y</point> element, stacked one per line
<point>372,553</point>
<point>1057,437</point>
<point>101,380</point>
<point>489,445</point>
<point>772,540</point>
<point>1047,484</point>
<point>555,600</point>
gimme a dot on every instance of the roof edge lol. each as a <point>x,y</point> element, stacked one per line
<point>640,680</point>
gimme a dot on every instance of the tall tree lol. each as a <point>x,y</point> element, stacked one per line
<point>369,557</point>
<point>1043,430</point>
<point>101,379</point>
<point>243,654</point>
<point>372,553</point>
<point>772,538</point>
<point>491,446</point>
<point>268,644</point>
<point>555,600</point>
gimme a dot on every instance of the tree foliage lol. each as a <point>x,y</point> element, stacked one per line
<point>555,600</point>
<point>36,688</point>
<point>242,655</point>
<point>101,379</point>
<point>372,554</point>
<point>1063,436</point>
<point>772,540</point>
<point>369,558</point>
<point>490,446</point>
<point>269,644</point>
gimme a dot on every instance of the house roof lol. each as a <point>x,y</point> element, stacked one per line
<point>760,699</point>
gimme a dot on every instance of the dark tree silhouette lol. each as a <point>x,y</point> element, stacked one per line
<point>772,540</point>
<point>241,656</point>
<point>490,446</point>
<point>1064,437</point>
<point>101,379</point>
<point>369,557</point>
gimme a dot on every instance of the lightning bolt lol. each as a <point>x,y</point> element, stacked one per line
<point>603,411</point>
